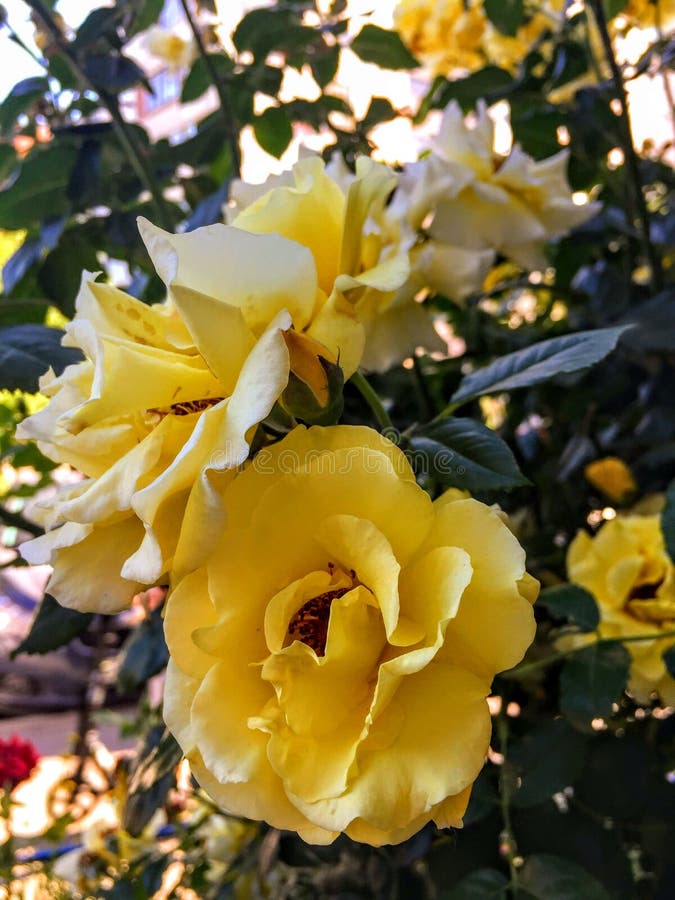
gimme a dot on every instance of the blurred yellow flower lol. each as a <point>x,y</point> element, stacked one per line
<point>626,567</point>
<point>164,402</point>
<point>361,261</point>
<point>611,476</point>
<point>178,52</point>
<point>331,662</point>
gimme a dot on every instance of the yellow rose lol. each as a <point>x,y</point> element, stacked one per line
<point>163,404</point>
<point>626,567</point>
<point>331,662</point>
<point>361,261</point>
<point>467,196</point>
<point>178,52</point>
<point>611,476</point>
<point>645,14</point>
<point>443,35</point>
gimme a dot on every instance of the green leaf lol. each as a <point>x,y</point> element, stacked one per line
<point>99,23</point>
<point>505,15</point>
<point>380,110</point>
<point>466,454</point>
<point>669,660</point>
<point>275,28</point>
<point>593,679</point>
<point>491,83</point>
<point>668,521</point>
<point>300,401</point>
<point>144,653</point>
<point>151,779</point>
<point>571,601</point>
<point>273,130</point>
<point>324,64</point>
<point>148,13</point>
<point>20,99</point>
<point>384,48</point>
<point>112,72</point>
<point>199,80</point>
<point>40,189</point>
<point>8,162</point>
<point>27,351</point>
<point>548,877</point>
<point>52,627</point>
<point>61,272</point>
<point>538,363</point>
<point>60,68</point>
<point>483,884</point>
<point>546,760</point>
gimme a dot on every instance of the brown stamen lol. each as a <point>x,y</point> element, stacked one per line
<point>310,622</point>
<point>186,408</point>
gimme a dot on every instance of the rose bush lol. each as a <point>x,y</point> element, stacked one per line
<point>342,616</point>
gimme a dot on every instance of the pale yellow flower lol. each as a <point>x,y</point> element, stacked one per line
<point>331,662</point>
<point>626,568</point>
<point>177,51</point>
<point>361,261</point>
<point>466,195</point>
<point>444,35</point>
<point>164,404</point>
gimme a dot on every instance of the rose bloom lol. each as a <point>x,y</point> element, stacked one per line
<point>627,569</point>
<point>164,403</point>
<point>18,758</point>
<point>360,255</point>
<point>330,664</point>
<point>611,476</point>
<point>465,195</point>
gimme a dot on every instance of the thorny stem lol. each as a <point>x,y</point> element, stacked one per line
<point>632,164</point>
<point>526,668</point>
<point>225,106</point>
<point>372,399</point>
<point>124,133</point>
<point>507,836</point>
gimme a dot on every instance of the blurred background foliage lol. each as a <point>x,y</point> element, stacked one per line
<point>578,796</point>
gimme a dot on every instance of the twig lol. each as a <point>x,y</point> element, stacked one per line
<point>16,520</point>
<point>631,158</point>
<point>225,107</point>
<point>526,668</point>
<point>124,133</point>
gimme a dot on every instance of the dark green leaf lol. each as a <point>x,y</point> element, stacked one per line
<point>27,351</point>
<point>490,83</point>
<point>669,659</point>
<point>384,48</point>
<point>668,521</point>
<point>570,601</point>
<point>60,68</point>
<point>263,30</point>
<point>464,453</point>
<point>540,362</point>
<point>505,15</point>
<point>148,13</point>
<point>85,187</point>
<point>593,679</point>
<point>61,271</point>
<point>273,130</point>
<point>144,653</point>
<point>380,110</point>
<point>324,64</point>
<point>99,23</point>
<point>52,627</point>
<point>112,72</point>
<point>20,99</point>
<point>536,130</point>
<point>210,209</point>
<point>8,162</point>
<point>29,253</point>
<point>151,779</point>
<point>300,401</point>
<point>483,884</point>
<point>548,877</point>
<point>40,189</point>
<point>199,80</point>
<point>548,759</point>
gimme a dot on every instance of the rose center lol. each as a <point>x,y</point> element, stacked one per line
<point>186,408</point>
<point>310,622</point>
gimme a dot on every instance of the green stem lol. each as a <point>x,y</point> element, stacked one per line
<point>526,668</point>
<point>373,400</point>
<point>225,107</point>
<point>124,133</point>
<point>507,836</point>
<point>631,158</point>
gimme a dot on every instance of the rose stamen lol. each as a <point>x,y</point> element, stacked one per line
<point>186,407</point>
<point>310,622</point>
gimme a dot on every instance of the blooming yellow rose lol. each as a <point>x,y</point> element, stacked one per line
<point>361,258</point>
<point>465,195</point>
<point>331,662</point>
<point>164,403</point>
<point>626,567</point>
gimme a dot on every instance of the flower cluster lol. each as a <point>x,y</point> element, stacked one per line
<point>333,633</point>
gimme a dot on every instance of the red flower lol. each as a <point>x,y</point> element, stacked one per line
<point>18,758</point>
